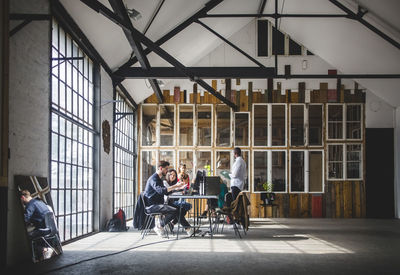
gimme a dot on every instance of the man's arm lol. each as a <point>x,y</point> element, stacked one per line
<point>235,170</point>
<point>28,213</point>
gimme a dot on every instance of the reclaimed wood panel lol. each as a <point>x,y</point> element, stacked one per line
<point>294,96</point>
<point>293,206</point>
<point>254,205</point>
<point>305,205</point>
<point>357,200</point>
<point>347,199</point>
<point>243,101</point>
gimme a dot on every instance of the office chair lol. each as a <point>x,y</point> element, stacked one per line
<point>150,217</point>
<point>48,235</point>
<point>224,213</point>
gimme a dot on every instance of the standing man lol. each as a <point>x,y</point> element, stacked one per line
<point>238,174</point>
<point>154,196</point>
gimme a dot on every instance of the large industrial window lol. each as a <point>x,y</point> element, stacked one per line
<point>302,178</point>
<point>242,129</point>
<point>72,132</point>
<point>204,125</point>
<point>124,157</point>
<point>224,127</point>
<point>278,125</point>
<point>167,125</point>
<point>149,125</point>
<point>344,121</point>
<point>186,120</point>
<point>260,124</point>
<point>344,161</point>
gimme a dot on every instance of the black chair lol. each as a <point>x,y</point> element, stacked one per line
<point>150,217</point>
<point>226,213</point>
<point>47,235</point>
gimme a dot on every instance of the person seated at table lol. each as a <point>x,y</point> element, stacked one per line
<point>213,204</point>
<point>183,176</point>
<point>171,180</point>
<point>154,194</point>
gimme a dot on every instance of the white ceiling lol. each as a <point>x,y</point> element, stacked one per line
<point>343,43</point>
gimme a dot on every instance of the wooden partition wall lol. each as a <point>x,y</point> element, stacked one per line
<point>340,198</point>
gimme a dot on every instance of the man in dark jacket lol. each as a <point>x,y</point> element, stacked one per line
<point>154,197</point>
<point>35,211</point>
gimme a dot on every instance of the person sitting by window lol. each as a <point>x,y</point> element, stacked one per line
<point>35,211</point>
<point>154,193</point>
<point>171,179</point>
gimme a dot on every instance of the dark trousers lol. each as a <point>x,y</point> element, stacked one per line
<point>171,213</point>
<point>235,192</point>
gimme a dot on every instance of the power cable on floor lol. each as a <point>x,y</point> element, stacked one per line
<point>106,255</point>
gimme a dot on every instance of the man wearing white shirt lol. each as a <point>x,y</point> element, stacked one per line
<point>238,174</point>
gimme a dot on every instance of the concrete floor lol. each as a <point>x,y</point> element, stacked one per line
<point>271,246</point>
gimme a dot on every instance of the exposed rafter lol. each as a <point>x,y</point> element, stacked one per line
<point>229,43</point>
<point>358,16</point>
<point>153,16</point>
<point>234,72</point>
<point>262,7</point>
<point>138,38</point>
<point>201,13</point>
<point>27,18</point>
<point>120,10</point>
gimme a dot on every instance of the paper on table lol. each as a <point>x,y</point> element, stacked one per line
<point>225,174</point>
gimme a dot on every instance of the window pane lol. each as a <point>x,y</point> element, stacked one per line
<point>186,157</point>
<point>335,161</point>
<point>278,171</point>
<point>223,164</point>
<point>167,124</point>
<point>223,125</point>
<point>315,125</point>
<point>278,125</point>
<point>124,159</point>
<point>149,121</point>
<point>185,125</point>
<point>241,129</point>
<point>260,169</point>
<point>148,166</point>
<point>260,125</point>
<point>204,161</point>
<point>335,121</point>
<point>353,161</point>
<point>65,176</point>
<point>316,172</point>
<point>353,122</point>
<point>297,171</point>
<point>168,156</point>
<point>204,123</point>
<point>296,125</point>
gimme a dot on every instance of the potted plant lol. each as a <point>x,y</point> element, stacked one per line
<point>268,197</point>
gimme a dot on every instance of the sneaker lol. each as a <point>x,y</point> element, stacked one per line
<point>191,232</point>
<point>48,254</point>
<point>203,215</point>
<point>160,231</point>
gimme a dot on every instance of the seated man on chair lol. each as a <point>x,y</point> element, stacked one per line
<point>35,211</point>
<point>154,195</point>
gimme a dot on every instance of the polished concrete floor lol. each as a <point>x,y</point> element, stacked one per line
<point>271,246</point>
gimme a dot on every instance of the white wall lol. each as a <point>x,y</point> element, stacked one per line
<point>378,113</point>
<point>106,163</point>
<point>29,115</point>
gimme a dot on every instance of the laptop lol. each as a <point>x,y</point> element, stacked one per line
<point>212,185</point>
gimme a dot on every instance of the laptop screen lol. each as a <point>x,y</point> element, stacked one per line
<point>212,185</point>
